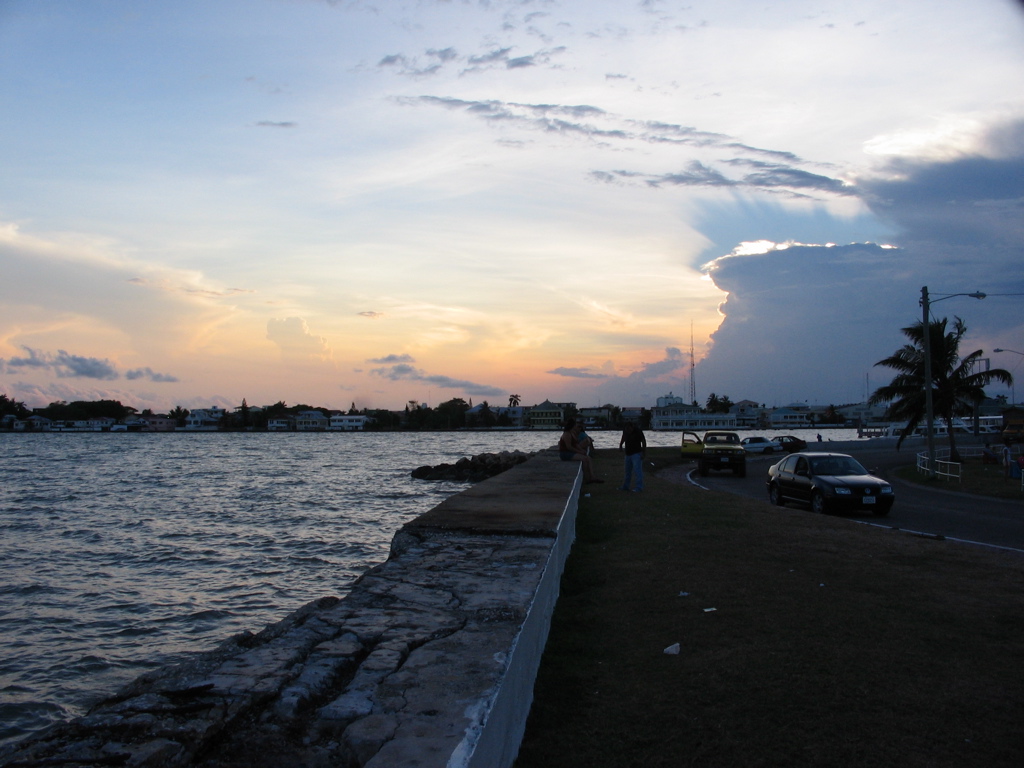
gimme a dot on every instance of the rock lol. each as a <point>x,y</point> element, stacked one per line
<point>472,470</point>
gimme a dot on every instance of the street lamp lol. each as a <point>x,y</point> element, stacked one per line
<point>926,335</point>
<point>1013,387</point>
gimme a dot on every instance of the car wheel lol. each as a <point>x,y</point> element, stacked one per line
<point>817,503</point>
<point>775,496</point>
<point>768,450</point>
<point>881,511</point>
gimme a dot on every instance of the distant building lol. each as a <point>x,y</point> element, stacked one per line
<point>667,400</point>
<point>204,419</point>
<point>595,417</point>
<point>34,423</point>
<point>159,423</point>
<point>786,418</point>
<point>749,414</point>
<point>631,415</point>
<point>548,415</point>
<point>681,416</point>
<point>311,421</point>
<point>344,422</point>
<point>515,415</point>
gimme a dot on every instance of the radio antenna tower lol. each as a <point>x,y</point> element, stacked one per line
<point>693,383</point>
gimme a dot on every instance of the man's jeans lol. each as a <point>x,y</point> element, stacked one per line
<point>634,466</point>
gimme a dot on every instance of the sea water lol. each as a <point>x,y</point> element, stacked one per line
<point>120,552</point>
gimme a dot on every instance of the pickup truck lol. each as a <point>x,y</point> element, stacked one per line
<point>691,445</point>
<point>722,450</point>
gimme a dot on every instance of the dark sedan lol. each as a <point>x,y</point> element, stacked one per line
<point>829,482</point>
<point>790,443</point>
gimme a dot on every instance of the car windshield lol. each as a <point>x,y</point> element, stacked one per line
<point>721,439</point>
<point>837,465</point>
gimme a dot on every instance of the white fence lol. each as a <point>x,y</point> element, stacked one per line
<point>952,470</point>
<point>944,467</point>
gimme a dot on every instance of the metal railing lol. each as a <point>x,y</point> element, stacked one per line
<point>944,467</point>
<point>952,470</point>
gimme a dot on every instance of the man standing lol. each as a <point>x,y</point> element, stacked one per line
<point>635,445</point>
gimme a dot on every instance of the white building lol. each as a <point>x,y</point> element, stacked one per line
<point>785,418</point>
<point>595,418</point>
<point>749,414</point>
<point>666,400</point>
<point>681,416</point>
<point>204,419</point>
<point>311,421</point>
<point>344,422</point>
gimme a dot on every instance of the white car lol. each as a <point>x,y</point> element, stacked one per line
<point>760,445</point>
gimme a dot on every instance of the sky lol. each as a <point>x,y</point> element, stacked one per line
<point>335,202</point>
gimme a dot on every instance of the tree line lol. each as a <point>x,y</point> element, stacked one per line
<point>956,385</point>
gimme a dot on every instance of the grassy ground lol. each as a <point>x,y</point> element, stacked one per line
<point>830,643</point>
<point>977,478</point>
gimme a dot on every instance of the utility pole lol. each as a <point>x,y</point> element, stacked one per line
<point>926,342</point>
<point>693,383</point>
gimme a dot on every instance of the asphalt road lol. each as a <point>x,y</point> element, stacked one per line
<point>981,520</point>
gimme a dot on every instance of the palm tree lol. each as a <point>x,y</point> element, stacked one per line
<point>179,414</point>
<point>955,387</point>
<point>513,401</point>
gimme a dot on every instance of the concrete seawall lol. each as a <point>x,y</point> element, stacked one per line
<point>430,660</point>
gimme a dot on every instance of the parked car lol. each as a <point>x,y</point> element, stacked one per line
<point>759,445</point>
<point>722,450</point>
<point>692,445</point>
<point>828,482</point>
<point>790,443</point>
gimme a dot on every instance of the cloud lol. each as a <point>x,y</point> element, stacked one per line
<point>766,177</point>
<point>433,61</point>
<point>65,365</point>
<point>150,374</point>
<point>392,359</point>
<point>638,387</point>
<point>276,124</point>
<point>968,204</point>
<point>405,372</point>
<point>726,163</point>
<point>807,322</point>
<point>672,361</point>
<point>577,373</point>
<point>35,359</point>
<point>371,314</point>
<point>295,340</point>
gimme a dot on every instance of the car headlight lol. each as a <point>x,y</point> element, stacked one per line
<point>886,489</point>
<point>842,491</point>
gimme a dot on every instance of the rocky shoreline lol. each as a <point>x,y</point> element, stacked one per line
<point>472,469</point>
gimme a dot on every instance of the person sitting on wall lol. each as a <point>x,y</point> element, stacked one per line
<point>569,450</point>
<point>583,440</point>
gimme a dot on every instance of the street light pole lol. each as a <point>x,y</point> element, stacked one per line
<point>926,343</point>
<point>929,406</point>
